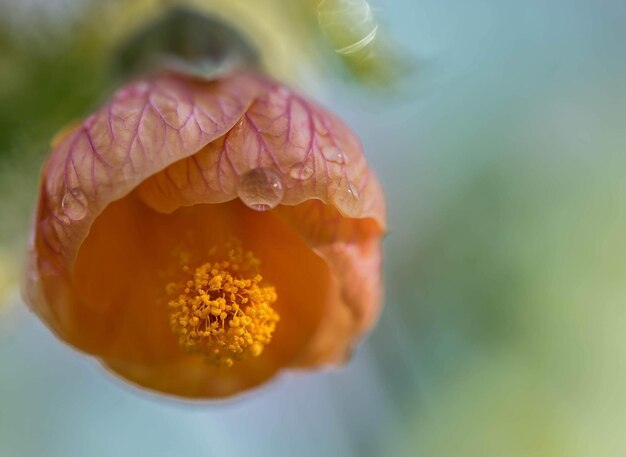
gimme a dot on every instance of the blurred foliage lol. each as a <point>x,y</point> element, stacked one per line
<point>43,88</point>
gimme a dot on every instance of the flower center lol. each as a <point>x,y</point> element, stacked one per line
<point>221,310</point>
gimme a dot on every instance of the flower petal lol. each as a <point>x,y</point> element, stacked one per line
<point>332,199</point>
<point>133,341</point>
<point>173,142</point>
<point>351,248</point>
<point>146,126</point>
<point>314,153</point>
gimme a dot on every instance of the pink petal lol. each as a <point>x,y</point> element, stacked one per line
<point>314,153</point>
<point>147,126</point>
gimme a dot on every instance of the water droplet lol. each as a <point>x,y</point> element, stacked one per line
<point>74,204</point>
<point>301,171</point>
<point>261,189</point>
<point>346,197</point>
<point>333,154</point>
<point>353,193</point>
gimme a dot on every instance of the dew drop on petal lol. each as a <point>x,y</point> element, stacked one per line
<point>346,197</point>
<point>301,171</point>
<point>333,154</point>
<point>74,204</point>
<point>260,189</point>
<point>353,192</point>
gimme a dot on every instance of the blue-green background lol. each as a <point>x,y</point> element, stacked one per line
<point>503,156</point>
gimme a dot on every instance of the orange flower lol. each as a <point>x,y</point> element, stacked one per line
<point>199,236</point>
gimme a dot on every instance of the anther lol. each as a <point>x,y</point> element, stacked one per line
<point>224,312</point>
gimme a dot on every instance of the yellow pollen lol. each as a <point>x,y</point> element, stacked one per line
<point>221,310</point>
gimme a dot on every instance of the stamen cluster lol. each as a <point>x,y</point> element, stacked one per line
<point>222,311</point>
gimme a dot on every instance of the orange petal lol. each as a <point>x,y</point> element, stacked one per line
<point>351,248</point>
<point>134,338</point>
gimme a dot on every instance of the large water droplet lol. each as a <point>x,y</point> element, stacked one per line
<point>74,204</point>
<point>261,189</point>
<point>301,171</point>
<point>333,154</point>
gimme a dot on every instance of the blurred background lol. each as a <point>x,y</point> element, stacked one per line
<point>498,129</point>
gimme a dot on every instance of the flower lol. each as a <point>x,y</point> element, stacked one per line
<point>199,236</point>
